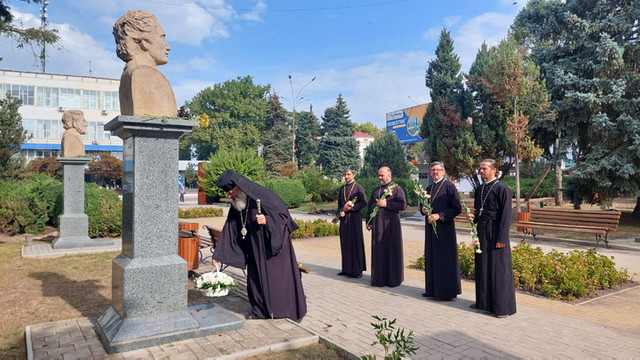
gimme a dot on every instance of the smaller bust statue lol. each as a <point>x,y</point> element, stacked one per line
<point>75,126</point>
<point>140,42</point>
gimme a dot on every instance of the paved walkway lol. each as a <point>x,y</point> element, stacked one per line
<point>341,309</point>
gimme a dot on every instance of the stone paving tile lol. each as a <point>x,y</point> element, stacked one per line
<point>340,311</point>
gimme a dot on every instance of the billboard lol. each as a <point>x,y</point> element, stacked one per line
<point>405,123</point>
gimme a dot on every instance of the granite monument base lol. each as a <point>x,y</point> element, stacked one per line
<point>120,334</point>
<point>73,233</point>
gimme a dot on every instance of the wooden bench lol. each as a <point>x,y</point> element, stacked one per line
<point>209,242</point>
<point>598,222</point>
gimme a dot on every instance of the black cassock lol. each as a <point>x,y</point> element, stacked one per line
<point>274,283</point>
<point>351,236</point>
<point>387,265</point>
<point>495,291</point>
<point>442,268</point>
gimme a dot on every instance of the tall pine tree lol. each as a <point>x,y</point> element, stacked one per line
<point>337,149</point>
<point>277,138</point>
<point>446,127</point>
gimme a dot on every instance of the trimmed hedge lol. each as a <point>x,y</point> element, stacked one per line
<point>198,212</point>
<point>291,192</point>
<point>315,228</point>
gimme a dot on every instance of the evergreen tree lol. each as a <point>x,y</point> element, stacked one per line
<point>338,149</point>
<point>386,150</point>
<point>277,138</point>
<point>307,128</point>
<point>446,126</point>
<point>12,136</point>
<point>588,53</point>
<point>237,112</point>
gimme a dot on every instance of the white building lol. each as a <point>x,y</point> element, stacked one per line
<point>46,96</point>
<point>364,140</point>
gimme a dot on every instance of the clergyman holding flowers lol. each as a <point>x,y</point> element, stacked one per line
<point>442,269</point>
<point>351,199</point>
<point>385,204</point>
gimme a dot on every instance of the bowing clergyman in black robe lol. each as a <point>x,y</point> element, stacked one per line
<point>442,268</point>
<point>387,265</point>
<point>260,239</point>
<point>351,199</point>
<point>495,291</point>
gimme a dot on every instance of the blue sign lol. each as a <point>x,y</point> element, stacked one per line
<point>405,123</point>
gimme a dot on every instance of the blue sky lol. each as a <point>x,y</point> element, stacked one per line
<point>373,52</point>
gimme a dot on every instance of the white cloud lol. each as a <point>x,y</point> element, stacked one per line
<point>489,27</point>
<point>385,83</point>
<point>432,33</point>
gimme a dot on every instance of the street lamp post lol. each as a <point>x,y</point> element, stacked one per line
<point>295,100</point>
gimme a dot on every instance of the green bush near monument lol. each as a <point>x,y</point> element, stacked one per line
<point>292,192</point>
<point>28,205</point>
<point>315,228</point>
<point>557,275</point>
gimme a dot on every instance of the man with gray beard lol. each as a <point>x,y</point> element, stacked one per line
<point>258,237</point>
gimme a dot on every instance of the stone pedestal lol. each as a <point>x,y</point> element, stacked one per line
<point>74,223</point>
<point>425,180</point>
<point>149,279</point>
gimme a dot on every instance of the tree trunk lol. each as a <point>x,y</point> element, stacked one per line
<point>558,172</point>
<point>518,207</point>
<point>535,185</point>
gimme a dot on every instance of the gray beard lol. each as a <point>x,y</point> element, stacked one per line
<point>240,202</point>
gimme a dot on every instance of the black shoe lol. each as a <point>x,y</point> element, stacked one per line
<point>473,306</point>
<point>341,273</point>
<point>425,295</point>
<point>502,316</point>
<point>357,276</point>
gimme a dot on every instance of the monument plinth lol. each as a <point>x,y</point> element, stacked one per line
<point>74,223</point>
<point>149,279</point>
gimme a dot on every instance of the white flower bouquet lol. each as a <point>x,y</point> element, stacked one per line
<point>215,283</point>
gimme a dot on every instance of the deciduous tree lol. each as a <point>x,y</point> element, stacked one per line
<point>236,109</point>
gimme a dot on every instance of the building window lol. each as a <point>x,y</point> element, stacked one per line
<point>111,101</point>
<point>47,129</point>
<point>94,131</point>
<point>29,125</point>
<point>70,98</point>
<point>48,96</point>
<point>90,99</point>
<point>23,92</point>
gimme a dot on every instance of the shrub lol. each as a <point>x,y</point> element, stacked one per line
<point>557,275</point>
<point>292,192</point>
<point>320,187</point>
<point>546,188</point>
<point>198,212</point>
<point>315,228</point>
<point>27,205</point>
<point>104,209</point>
<point>243,161</point>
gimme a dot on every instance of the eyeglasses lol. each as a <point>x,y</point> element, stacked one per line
<point>436,170</point>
